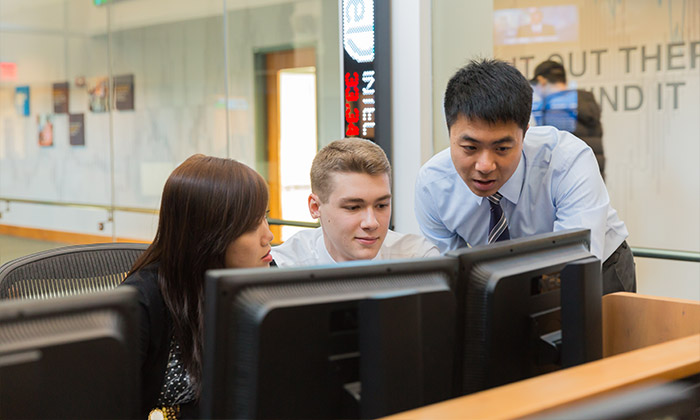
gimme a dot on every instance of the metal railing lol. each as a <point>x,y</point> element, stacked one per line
<point>111,209</point>
<point>665,254</point>
<point>296,223</point>
<point>79,205</point>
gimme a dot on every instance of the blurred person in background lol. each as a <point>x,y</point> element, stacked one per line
<point>572,110</point>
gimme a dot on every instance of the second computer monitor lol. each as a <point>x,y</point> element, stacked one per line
<point>528,306</point>
<point>345,341</point>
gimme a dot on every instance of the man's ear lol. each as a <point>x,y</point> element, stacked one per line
<point>314,205</point>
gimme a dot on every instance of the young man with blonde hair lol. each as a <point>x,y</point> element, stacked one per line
<point>351,198</point>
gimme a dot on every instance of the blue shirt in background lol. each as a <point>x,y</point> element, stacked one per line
<point>559,109</point>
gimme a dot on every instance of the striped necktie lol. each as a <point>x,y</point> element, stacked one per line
<point>498,225</point>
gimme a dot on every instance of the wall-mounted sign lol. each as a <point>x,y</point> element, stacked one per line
<point>124,92</point>
<point>359,72</point>
<point>61,94</point>
<point>76,129</point>
<point>366,70</point>
<point>98,94</point>
<point>45,129</point>
<point>8,71</point>
<point>22,100</point>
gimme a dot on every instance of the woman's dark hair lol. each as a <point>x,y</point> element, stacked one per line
<point>489,90</point>
<point>207,203</point>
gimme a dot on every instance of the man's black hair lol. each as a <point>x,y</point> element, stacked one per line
<point>488,90</point>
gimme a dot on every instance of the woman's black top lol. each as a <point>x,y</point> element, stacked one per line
<point>156,348</point>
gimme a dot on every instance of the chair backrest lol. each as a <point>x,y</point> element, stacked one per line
<point>68,270</point>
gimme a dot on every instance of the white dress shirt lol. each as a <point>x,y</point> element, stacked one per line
<point>556,186</point>
<point>307,248</point>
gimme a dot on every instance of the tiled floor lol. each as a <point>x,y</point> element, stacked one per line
<point>12,247</point>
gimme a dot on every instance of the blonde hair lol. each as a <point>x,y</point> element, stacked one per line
<point>354,155</point>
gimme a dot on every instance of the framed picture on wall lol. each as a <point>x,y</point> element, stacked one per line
<point>76,129</point>
<point>124,92</point>
<point>98,94</point>
<point>60,98</point>
<point>45,129</point>
<point>22,100</point>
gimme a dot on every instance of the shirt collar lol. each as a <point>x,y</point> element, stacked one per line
<point>514,186</point>
<point>324,257</point>
<point>511,189</point>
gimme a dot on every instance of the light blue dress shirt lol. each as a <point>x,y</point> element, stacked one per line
<point>556,186</point>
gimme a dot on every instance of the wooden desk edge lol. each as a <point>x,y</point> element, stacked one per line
<point>647,298</point>
<point>662,362</point>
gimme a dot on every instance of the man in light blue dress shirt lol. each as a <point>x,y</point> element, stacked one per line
<point>549,179</point>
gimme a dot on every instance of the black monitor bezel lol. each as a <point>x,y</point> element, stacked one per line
<point>122,301</point>
<point>233,281</point>
<point>574,241</point>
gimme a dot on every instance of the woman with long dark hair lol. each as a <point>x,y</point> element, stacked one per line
<point>212,215</point>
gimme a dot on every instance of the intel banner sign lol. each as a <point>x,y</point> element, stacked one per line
<point>359,69</point>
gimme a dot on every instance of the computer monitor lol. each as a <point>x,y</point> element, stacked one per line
<point>70,357</point>
<point>352,340</point>
<point>530,306</point>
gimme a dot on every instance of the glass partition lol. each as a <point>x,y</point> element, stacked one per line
<point>101,100</point>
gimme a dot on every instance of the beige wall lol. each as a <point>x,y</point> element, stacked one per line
<point>461,32</point>
<point>652,129</point>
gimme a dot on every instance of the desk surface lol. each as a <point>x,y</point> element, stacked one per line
<point>662,362</point>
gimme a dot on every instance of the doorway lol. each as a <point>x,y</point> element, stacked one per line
<point>292,136</point>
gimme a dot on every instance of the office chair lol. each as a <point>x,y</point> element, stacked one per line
<point>68,270</point>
